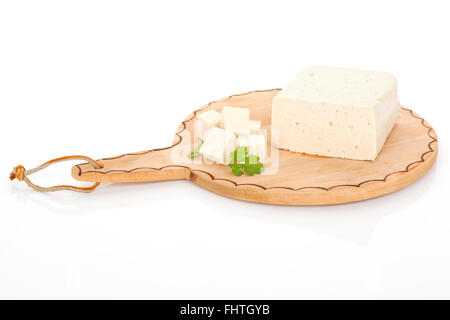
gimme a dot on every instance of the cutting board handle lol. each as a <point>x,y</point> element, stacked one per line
<point>151,165</point>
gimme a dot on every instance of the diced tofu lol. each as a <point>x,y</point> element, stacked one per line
<point>254,126</point>
<point>250,127</point>
<point>230,145</point>
<point>218,145</point>
<point>242,141</point>
<point>235,119</point>
<point>256,145</point>
<point>206,121</point>
<point>213,145</point>
<point>242,131</point>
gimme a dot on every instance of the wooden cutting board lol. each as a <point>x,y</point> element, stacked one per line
<point>299,179</point>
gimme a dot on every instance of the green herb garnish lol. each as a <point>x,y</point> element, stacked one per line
<point>196,152</point>
<point>242,162</point>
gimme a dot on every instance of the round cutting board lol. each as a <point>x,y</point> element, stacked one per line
<point>290,178</point>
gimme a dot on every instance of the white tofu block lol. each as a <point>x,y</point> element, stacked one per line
<point>336,112</point>
<point>218,145</point>
<point>212,147</point>
<point>242,140</point>
<point>230,145</point>
<point>254,126</point>
<point>256,145</point>
<point>206,121</point>
<point>235,120</point>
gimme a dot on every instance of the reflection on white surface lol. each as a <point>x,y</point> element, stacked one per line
<point>353,221</point>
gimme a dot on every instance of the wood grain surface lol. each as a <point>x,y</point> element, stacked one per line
<point>289,178</point>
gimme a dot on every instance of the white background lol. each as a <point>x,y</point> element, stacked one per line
<point>101,78</point>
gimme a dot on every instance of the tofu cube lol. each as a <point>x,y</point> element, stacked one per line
<point>235,119</point>
<point>206,121</point>
<point>218,145</point>
<point>256,145</point>
<point>254,126</point>
<point>336,112</point>
<point>242,141</point>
